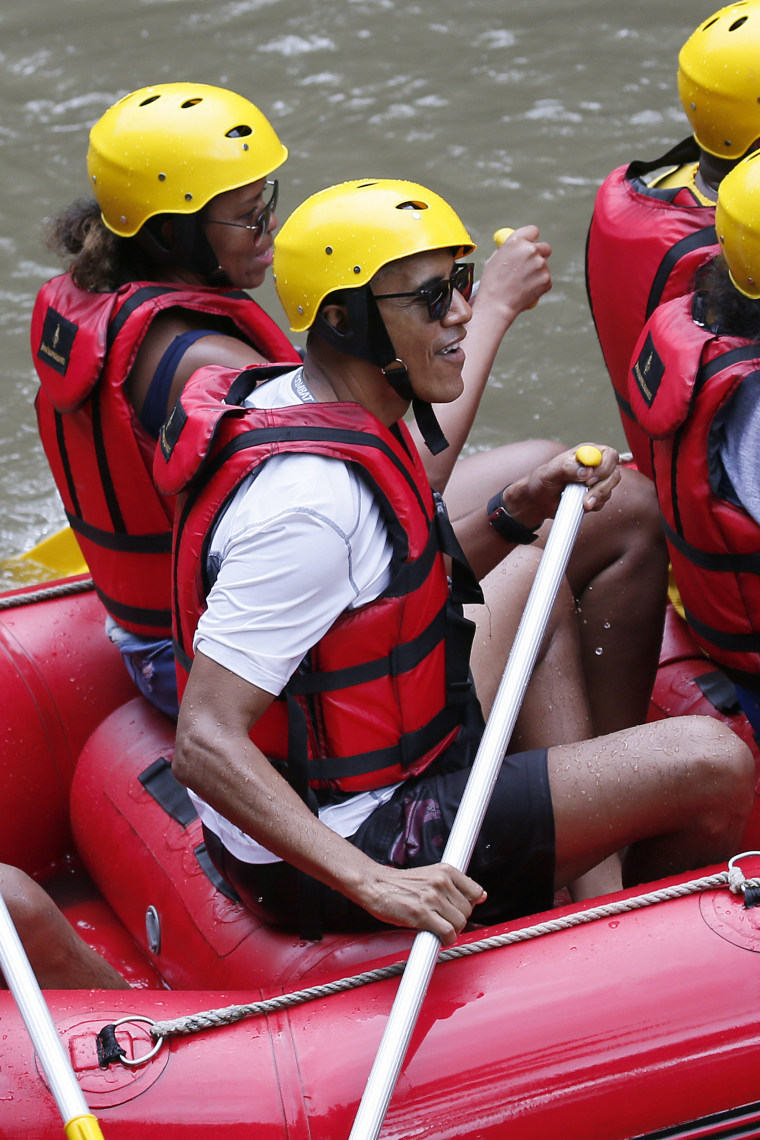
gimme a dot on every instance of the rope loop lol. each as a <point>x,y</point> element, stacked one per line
<point>737,884</point>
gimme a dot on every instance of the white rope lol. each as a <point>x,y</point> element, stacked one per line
<point>215,1018</point>
<point>45,593</point>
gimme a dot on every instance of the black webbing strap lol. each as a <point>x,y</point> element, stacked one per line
<point>687,150</point>
<point>104,468</point>
<point>715,561</point>
<point>158,543</point>
<point>409,576</point>
<point>209,870</point>
<point>309,889</point>
<point>402,659</point>
<point>719,690</point>
<point>464,585</point>
<point>163,786</point>
<point>410,748</point>
<point>60,438</point>
<point>430,429</point>
<point>700,239</point>
<point>733,642</point>
<point>159,620</point>
<point>711,368</point>
<point>147,293</point>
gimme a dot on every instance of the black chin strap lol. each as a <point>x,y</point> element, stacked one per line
<point>425,418</point>
<point>367,338</point>
<point>430,429</point>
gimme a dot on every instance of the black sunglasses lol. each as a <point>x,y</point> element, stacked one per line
<point>261,225</point>
<point>438,297</point>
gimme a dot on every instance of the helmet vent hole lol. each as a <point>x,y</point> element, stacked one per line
<point>709,24</point>
<point>190,103</point>
<point>151,99</point>
<point>738,23</point>
<point>238,132</point>
<point>412,206</point>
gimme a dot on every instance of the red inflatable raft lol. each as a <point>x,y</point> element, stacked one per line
<point>640,1022</point>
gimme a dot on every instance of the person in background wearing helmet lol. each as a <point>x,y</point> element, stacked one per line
<point>653,222</point>
<point>695,391</point>
<point>329,718</point>
<point>180,225</point>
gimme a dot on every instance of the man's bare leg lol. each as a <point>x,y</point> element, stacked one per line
<point>618,572</point>
<point>59,957</point>
<point>555,708</point>
<point>674,795</point>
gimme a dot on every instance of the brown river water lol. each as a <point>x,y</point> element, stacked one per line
<point>513,110</point>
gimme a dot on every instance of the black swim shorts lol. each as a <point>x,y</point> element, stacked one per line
<point>513,858</point>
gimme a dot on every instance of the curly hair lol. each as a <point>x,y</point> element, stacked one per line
<point>100,261</point>
<point>720,307</point>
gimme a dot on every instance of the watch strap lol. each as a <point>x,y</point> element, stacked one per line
<point>505,526</point>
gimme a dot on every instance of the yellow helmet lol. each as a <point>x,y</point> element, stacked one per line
<point>171,148</point>
<point>737,224</point>
<point>341,237</point>
<point>719,80</point>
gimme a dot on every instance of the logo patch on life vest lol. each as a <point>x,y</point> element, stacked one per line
<point>171,428</point>
<point>57,341</point>
<point>648,371</point>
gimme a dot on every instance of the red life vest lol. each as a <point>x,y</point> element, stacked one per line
<point>644,247</point>
<point>384,692</point>
<point>84,345</point>
<point>682,376</point>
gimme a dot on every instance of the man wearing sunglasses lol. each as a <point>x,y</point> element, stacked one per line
<point>181,223</point>
<point>329,719</point>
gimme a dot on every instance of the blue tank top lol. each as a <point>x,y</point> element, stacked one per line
<point>155,408</point>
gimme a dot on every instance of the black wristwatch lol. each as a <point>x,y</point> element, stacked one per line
<point>503,523</point>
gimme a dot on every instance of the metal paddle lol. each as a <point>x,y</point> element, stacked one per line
<point>79,1123</point>
<point>467,823</point>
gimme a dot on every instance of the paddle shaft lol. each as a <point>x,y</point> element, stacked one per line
<point>22,983</point>
<point>472,809</point>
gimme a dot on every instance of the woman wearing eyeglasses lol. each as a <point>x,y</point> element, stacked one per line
<point>181,222</point>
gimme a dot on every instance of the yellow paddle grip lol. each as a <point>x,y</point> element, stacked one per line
<point>83,1128</point>
<point>588,456</point>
